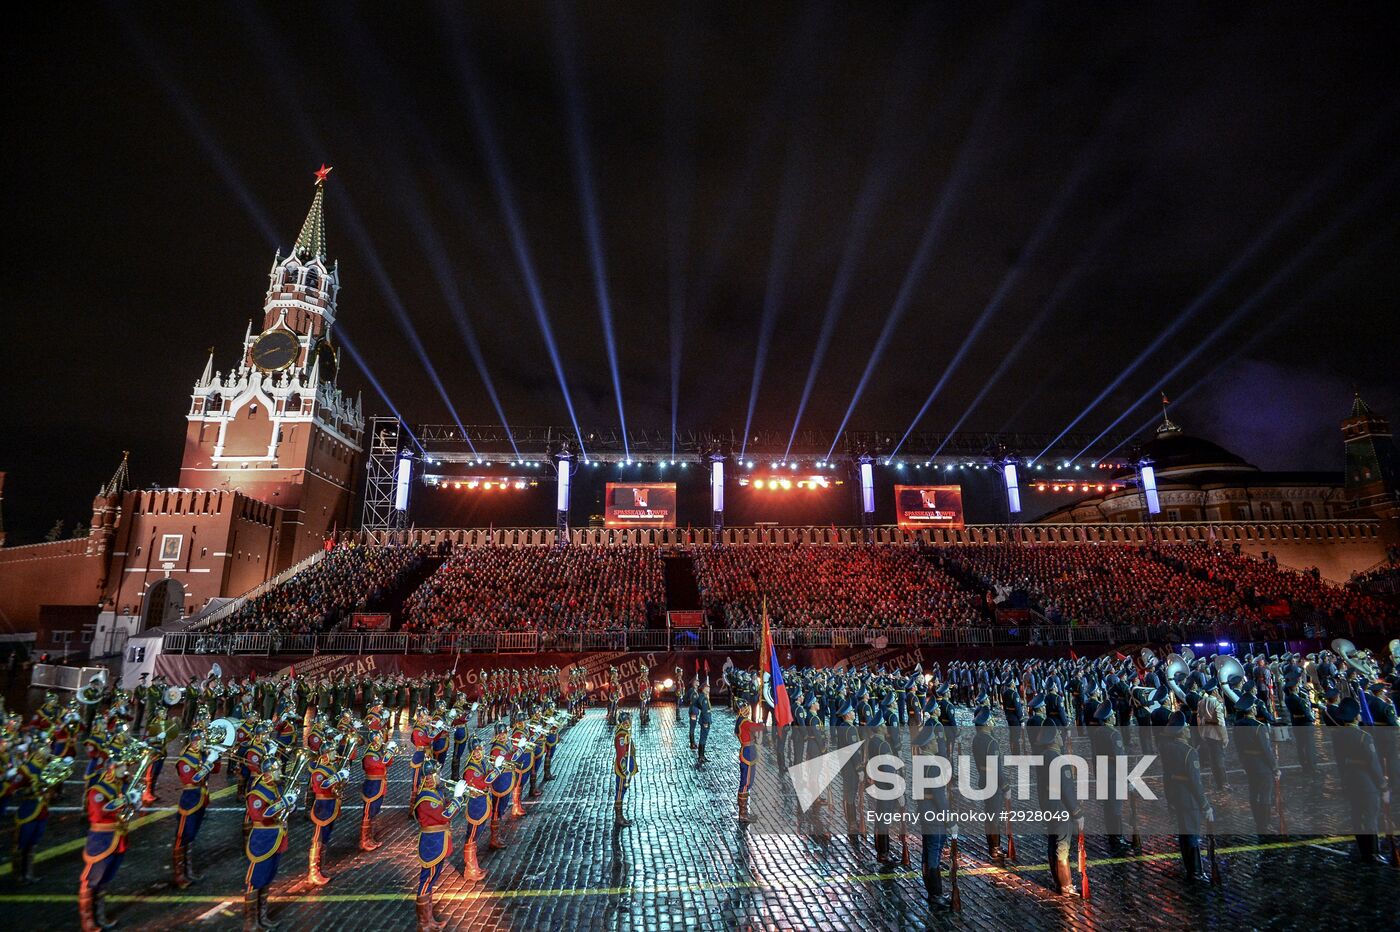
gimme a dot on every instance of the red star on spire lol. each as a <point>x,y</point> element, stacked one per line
<point>321,173</point>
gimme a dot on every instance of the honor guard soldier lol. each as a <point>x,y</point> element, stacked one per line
<point>1186,794</point>
<point>1015,712</point>
<point>108,808</point>
<point>705,711</point>
<point>326,785</point>
<point>933,806</point>
<point>1257,755</point>
<point>692,698</point>
<point>33,790</point>
<point>1046,742</point>
<point>422,740</point>
<point>1363,778</point>
<point>433,812</point>
<point>478,807</point>
<point>624,765</point>
<point>376,762</point>
<point>682,700</point>
<point>747,731</point>
<point>986,761</point>
<point>1106,741</point>
<point>1300,714</point>
<point>193,771</point>
<point>268,805</point>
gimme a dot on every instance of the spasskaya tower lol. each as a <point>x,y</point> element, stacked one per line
<point>275,425</point>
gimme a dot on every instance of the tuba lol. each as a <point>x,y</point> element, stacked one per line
<point>91,691</point>
<point>1226,669</point>
<point>55,772</point>
<point>1177,670</point>
<point>1354,658</point>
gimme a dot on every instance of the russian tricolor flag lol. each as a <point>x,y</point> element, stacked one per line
<point>774,690</point>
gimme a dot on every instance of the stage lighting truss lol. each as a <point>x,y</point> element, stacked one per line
<point>779,483</point>
<point>481,483</point>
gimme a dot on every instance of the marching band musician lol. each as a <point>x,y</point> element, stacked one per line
<point>267,808</point>
<point>377,719</point>
<point>624,765</point>
<point>99,750</point>
<point>63,742</point>
<point>376,761</point>
<point>441,732</point>
<point>551,740</point>
<point>478,808</point>
<point>106,805</point>
<point>614,689</point>
<point>327,782</point>
<point>433,813</point>
<point>193,771</point>
<point>422,739</point>
<point>159,734</point>
<point>644,697</point>
<point>503,785</point>
<point>523,760</point>
<point>284,733</point>
<point>32,813</point>
<point>241,745</point>
<point>537,749</point>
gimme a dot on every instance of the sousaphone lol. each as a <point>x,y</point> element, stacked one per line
<point>1226,669</point>
<point>1354,658</point>
<point>92,690</point>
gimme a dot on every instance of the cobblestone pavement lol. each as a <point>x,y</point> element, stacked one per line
<point>685,863</point>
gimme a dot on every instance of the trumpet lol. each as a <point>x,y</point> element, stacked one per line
<point>148,756</point>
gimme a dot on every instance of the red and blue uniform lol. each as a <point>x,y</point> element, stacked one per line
<point>624,763</point>
<point>194,794</point>
<point>267,840</point>
<point>325,805</point>
<point>747,733</point>
<point>459,738</point>
<point>434,816</point>
<point>32,814</point>
<point>106,838</point>
<point>422,741</point>
<point>372,791</point>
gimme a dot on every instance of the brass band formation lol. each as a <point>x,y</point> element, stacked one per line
<point>288,744</point>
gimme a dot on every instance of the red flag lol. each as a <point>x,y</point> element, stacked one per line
<point>1073,655</point>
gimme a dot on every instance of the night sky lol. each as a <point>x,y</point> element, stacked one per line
<point>1071,179</point>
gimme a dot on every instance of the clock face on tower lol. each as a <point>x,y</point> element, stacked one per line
<point>275,349</point>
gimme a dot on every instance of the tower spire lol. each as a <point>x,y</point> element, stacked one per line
<point>311,243</point>
<point>118,483</point>
<point>1168,426</point>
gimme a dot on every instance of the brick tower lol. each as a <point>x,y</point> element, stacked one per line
<point>276,426</point>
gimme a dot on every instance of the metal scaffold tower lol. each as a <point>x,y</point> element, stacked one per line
<point>380,513</point>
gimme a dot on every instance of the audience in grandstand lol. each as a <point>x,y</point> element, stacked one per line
<point>346,580</point>
<point>540,588</point>
<point>830,587</point>
<point>487,589</point>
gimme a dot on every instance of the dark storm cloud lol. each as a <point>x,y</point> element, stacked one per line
<point>130,247</point>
